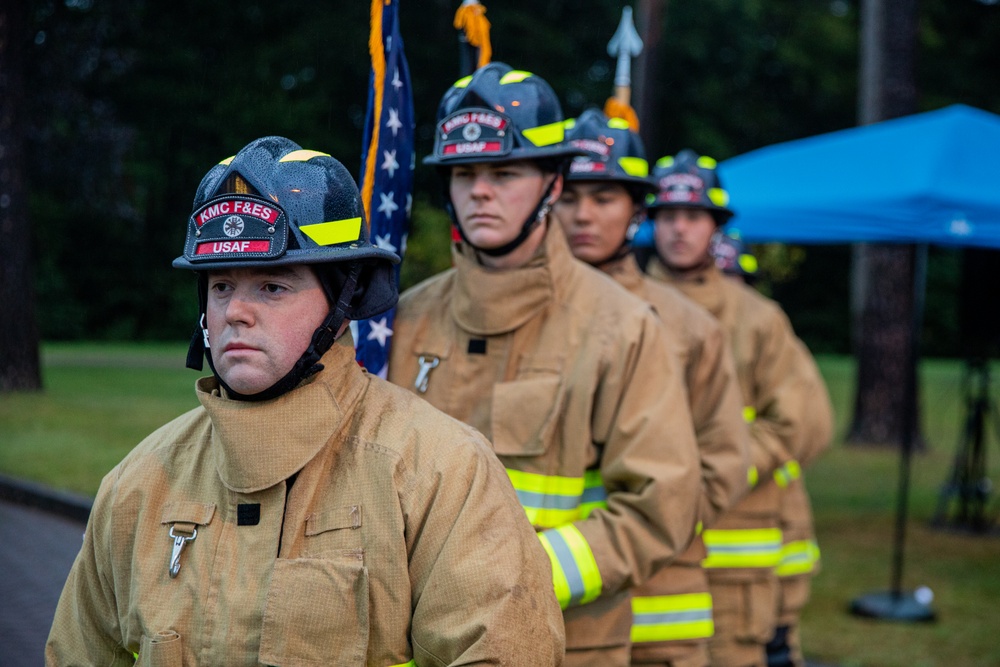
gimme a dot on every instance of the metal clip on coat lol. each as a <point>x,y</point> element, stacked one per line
<point>179,542</point>
<point>425,370</point>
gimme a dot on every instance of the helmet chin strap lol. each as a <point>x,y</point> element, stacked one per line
<point>533,220</point>
<point>307,365</point>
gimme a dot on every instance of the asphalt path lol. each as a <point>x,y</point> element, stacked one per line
<point>37,549</point>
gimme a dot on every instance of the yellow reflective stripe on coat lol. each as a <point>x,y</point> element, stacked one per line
<point>749,414</point>
<point>548,500</point>
<point>799,557</point>
<point>787,473</point>
<point>575,576</point>
<point>749,547</point>
<point>664,618</point>
<point>411,663</point>
<point>594,494</point>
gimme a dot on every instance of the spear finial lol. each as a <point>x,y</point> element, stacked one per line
<point>625,44</point>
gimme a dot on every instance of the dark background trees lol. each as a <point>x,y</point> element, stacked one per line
<point>128,103</point>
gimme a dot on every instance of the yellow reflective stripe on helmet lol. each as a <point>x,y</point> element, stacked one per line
<point>463,82</point>
<point>335,231</point>
<point>799,557</point>
<point>665,161</point>
<point>575,576</point>
<point>228,160</point>
<point>706,162</point>
<point>545,135</point>
<point>748,263</point>
<point>663,618</point>
<point>514,76</point>
<point>787,473</point>
<point>718,196</point>
<point>634,166</point>
<point>749,414</point>
<point>302,155</point>
<point>548,500</point>
<point>594,493</point>
<point>748,547</point>
<point>752,476</point>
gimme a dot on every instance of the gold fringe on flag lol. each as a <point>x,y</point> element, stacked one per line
<point>615,108</point>
<point>377,51</point>
<point>471,19</point>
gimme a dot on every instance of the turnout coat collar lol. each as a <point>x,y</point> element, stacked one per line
<point>489,301</point>
<point>256,445</point>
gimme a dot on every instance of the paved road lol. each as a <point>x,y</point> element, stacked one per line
<point>37,549</point>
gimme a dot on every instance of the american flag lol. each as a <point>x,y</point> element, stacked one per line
<point>392,176</point>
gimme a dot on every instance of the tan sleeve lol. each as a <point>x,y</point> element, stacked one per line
<point>650,464</point>
<point>817,431</point>
<point>717,410</point>
<point>482,586</point>
<point>85,628</point>
<point>791,404</point>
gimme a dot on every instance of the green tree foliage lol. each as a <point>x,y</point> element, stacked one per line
<point>132,101</point>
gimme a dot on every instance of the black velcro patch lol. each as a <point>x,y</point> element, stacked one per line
<point>248,514</point>
<point>477,346</point>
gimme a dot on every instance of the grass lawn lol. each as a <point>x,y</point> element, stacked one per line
<point>101,400</point>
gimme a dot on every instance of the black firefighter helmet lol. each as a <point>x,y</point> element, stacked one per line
<point>499,114</point>
<point>690,181</point>
<point>612,151</point>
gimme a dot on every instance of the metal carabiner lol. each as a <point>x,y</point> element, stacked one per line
<point>175,555</point>
<point>425,370</point>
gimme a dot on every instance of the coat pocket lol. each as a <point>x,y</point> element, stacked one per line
<point>524,415</point>
<point>316,612</point>
<point>161,650</point>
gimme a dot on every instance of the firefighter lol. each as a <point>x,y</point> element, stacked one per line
<point>604,199</point>
<point>566,373</point>
<point>799,550</point>
<point>785,403</point>
<point>306,512</point>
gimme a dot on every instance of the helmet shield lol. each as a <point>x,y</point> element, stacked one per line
<point>236,227</point>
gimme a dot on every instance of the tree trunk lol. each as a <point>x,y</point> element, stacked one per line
<point>885,338</point>
<point>19,367</point>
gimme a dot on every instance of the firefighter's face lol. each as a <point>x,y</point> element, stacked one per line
<point>260,321</point>
<point>595,216</point>
<point>683,236</point>
<point>492,201</point>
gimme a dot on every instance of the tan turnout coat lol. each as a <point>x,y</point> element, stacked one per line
<point>400,539</point>
<point>722,434</point>
<point>565,373</point>
<point>779,382</point>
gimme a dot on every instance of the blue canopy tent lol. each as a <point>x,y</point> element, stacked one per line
<point>932,177</point>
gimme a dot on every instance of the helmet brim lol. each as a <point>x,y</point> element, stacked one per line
<point>613,178</point>
<point>311,256</point>
<point>515,155</point>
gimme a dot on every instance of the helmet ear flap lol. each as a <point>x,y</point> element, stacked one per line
<point>375,291</point>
